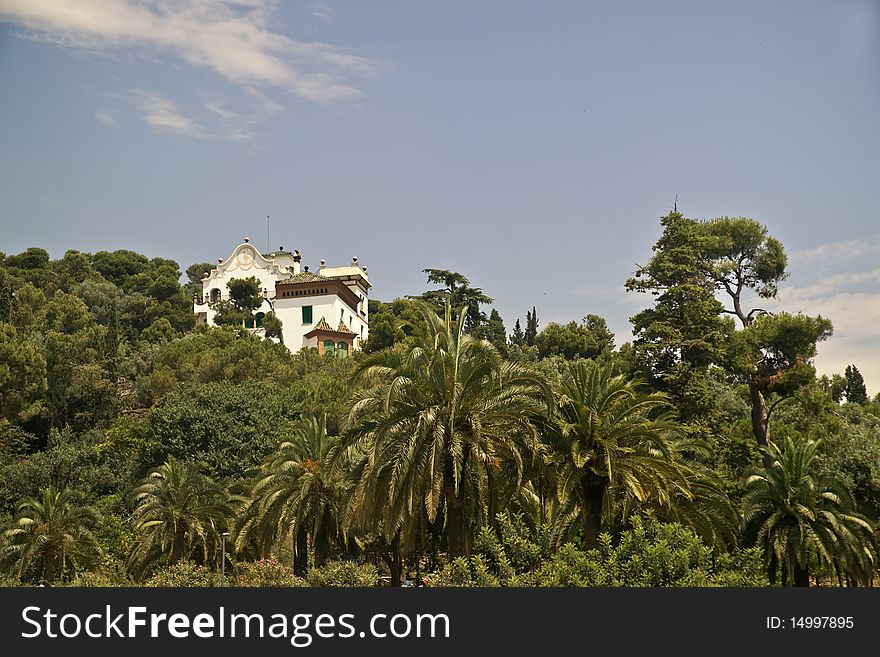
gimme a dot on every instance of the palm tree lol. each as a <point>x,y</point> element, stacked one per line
<point>610,452</point>
<point>441,426</point>
<point>180,514</point>
<point>794,515</point>
<point>301,489</point>
<point>53,534</point>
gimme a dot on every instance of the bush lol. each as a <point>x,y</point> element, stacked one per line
<point>99,579</point>
<point>649,554</point>
<point>265,572</point>
<point>182,575</point>
<point>343,573</point>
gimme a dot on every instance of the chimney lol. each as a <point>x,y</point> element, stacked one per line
<point>323,264</point>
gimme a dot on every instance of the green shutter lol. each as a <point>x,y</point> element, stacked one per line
<point>342,349</point>
<point>329,347</point>
<point>307,314</point>
<point>259,319</point>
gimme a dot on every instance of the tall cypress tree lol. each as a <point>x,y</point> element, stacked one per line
<point>855,390</point>
<point>531,327</point>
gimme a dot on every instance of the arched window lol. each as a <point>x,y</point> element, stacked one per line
<point>258,319</point>
<point>342,349</point>
<point>249,323</point>
<point>215,295</point>
<point>329,347</point>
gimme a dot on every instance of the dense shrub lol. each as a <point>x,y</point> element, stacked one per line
<point>650,554</point>
<point>184,574</point>
<point>343,573</point>
<point>265,572</point>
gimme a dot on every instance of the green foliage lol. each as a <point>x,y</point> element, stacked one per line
<point>441,420</point>
<point>273,326</point>
<point>495,333</point>
<point>184,574</point>
<point>855,390</point>
<point>591,339</point>
<point>180,514</point>
<point>648,554</point>
<point>70,460</point>
<point>391,323</point>
<point>798,517</point>
<point>265,573</point>
<point>245,294</point>
<point>229,428</point>
<point>51,538</point>
<point>300,487</point>
<point>344,573</point>
<point>456,291</point>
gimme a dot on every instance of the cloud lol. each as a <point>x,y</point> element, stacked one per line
<point>105,117</point>
<point>231,38</point>
<point>847,250</point>
<point>322,10</point>
<point>855,315</point>
<point>164,117</point>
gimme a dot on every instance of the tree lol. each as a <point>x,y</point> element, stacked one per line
<point>52,537</point>
<point>592,339</point>
<point>273,326</point>
<point>494,332</point>
<point>442,424</point>
<point>610,444</point>
<point>196,272</point>
<point>245,293</point>
<point>517,338</point>
<point>301,492</point>
<point>180,514</point>
<point>797,517</point>
<point>531,331</point>
<point>733,256</point>
<point>457,292</point>
<point>855,390</point>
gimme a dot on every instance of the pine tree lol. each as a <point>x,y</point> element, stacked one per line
<point>495,332</point>
<point>518,337</point>
<point>855,390</point>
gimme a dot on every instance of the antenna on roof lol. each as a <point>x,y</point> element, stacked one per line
<point>267,234</point>
<point>675,204</point>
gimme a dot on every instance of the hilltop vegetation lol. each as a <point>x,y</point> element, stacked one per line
<point>454,447</point>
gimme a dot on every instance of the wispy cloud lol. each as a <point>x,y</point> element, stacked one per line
<point>846,250</point>
<point>105,117</point>
<point>322,10</point>
<point>165,117</point>
<point>233,38</point>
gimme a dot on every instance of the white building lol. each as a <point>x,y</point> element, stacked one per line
<point>326,309</point>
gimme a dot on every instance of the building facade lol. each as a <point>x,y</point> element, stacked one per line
<point>325,309</point>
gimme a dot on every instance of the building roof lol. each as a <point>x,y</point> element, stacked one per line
<point>322,325</point>
<point>344,329</point>
<point>304,277</point>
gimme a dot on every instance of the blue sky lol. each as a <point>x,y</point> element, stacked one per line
<point>530,145</point>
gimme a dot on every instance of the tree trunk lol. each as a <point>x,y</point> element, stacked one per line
<point>177,546</point>
<point>396,561</point>
<point>801,576</point>
<point>49,568</point>
<point>455,526</point>
<point>593,492</point>
<point>760,426</point>
<point>301,553</point>
<point>322,547</point>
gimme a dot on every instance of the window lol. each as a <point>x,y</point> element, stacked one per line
<point>259,319</point>
<point>215,295</point>
<point>249,322</point>
<point>342,314</point>
<point>329,347</point>
<point>307,314</point>
<point>342,349</point>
